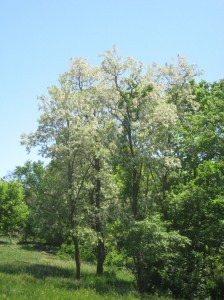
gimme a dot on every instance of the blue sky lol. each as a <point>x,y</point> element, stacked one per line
<point>38,38</point>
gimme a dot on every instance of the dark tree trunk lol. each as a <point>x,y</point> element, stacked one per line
<point>77,257</point>
<point>135,192</point>
<point>100,257</point>
<point>100,246</point>
<point>136,179</point>
<point>139,275</point>
<point>72,202</point>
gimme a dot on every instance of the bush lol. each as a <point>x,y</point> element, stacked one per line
<point>13,210</point>
<point>67,250</point>
<point>116,259</point>
<point>156,254</point>
<point>87,249</point>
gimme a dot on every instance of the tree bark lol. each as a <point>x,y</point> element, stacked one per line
<point>77,257</point>
<point>135,191</point>
<point>100,257</point>
<point>100,251</point>
<point>139,274</point>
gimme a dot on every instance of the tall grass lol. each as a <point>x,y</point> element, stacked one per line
<point>29,274</point>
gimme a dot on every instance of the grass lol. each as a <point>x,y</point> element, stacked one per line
<point>29,274</point>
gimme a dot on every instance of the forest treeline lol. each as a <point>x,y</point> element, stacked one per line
<point>135,174</point>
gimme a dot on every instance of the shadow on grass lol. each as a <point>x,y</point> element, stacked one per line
<point>38,271</point>
<point>3,243</point>
<point>39,247</point>
<point>5,240</point>
<point>101,284</point>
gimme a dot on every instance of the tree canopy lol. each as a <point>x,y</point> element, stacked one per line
<point>135,174</point>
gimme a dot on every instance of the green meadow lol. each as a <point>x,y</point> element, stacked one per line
<point>28,273</point>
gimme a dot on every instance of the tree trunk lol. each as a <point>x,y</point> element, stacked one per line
<point>100,257</point>
<point>10,238</point>
<point>77,257</point>
<point>139,275</point>
<point>100,246</point>
<point>135,191</point>
<point>136,179</point>
<point>72,202</point>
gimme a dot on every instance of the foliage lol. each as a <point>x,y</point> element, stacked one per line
<point>157,254</point>
<point>30,176</point>
<point>135,175</point>
<point>13,210</point>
